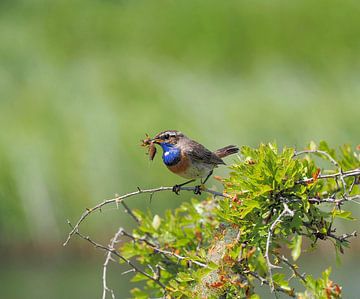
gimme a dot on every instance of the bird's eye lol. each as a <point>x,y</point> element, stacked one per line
<point>166,136</point>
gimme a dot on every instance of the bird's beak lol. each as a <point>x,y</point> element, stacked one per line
<point>157,140</point>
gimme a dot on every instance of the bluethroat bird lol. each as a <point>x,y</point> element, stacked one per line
<point>188,158</point>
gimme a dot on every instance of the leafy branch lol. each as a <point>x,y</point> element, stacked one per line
<point>218,247</point>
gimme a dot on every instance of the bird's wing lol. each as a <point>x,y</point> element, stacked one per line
<point>198,152</point>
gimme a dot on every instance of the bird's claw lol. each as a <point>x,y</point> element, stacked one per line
<point>198,189</point>
<point>176,189</point>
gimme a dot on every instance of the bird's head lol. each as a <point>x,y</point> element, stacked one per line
<point>169,137</point>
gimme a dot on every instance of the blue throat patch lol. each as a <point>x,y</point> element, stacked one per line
<point>171,154</point>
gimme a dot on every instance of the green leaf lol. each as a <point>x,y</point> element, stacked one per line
<point>138,294</point>
<point>323,146</point>
<point>156,222</point>
<point>295,245</point>
<point>138,277</point>
<point>342,214</point>
<point>184,277</point>
<point>248,206</point>
<point>279,279</point>
<point>312,145</point>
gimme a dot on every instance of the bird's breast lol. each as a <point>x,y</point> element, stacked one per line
<point>189,169</point>
<point>171,156</point>
<point>181,165</point>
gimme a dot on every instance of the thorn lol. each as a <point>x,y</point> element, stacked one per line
<point>128,271</point>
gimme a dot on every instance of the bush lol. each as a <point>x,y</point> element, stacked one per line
<point>219,247</point>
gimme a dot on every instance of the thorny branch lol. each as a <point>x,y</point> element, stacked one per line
<point>111,247</point>
<point>313,200</point>
<point>265,281</point>
<point>344,174</point>
<point>166,252</point>
<point>343,237</point>
<point>119,199</point>
<point>293,268</point>
<point>332,160</point>
<point>285,212</point>
<point>116,253</point>
<point>329,233</point>
<point>339,175</point>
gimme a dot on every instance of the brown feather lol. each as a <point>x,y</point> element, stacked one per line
<point>181,166</point>
<point>226,151</point>
<point>199,153</point>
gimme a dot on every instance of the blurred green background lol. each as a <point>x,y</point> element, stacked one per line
<point>81,82</point>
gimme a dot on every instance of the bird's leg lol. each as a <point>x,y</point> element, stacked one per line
<point>209,175</point>
<point>198,188</point>
<point>176,188</point>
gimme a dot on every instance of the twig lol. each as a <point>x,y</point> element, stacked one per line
<point>332,160</point>
<point>337,201</point>
<point>265,281</point>
<point>345,174</point>
<point>285,212</point>
<point>340,174</point>
<point>131,213</point>
<point>169,253</point>
<point>322,236</point>
<point>356,181</point>
<point>343,237</point>
<point>293,268</point>
<point>315,200</point>
<point>128,210</point>
<point>111,246</point>
<point>114,251</point>
<point>119,199</point>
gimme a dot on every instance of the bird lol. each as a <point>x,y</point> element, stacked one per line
<point>190,159</point>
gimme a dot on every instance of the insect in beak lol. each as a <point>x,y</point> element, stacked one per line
<point>152,151</point>
<point>150,143</point>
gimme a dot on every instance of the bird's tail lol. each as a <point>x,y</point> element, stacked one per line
<point>226,151</point>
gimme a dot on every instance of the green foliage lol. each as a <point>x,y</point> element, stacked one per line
<point>219,247</point>
<point>322,287</point>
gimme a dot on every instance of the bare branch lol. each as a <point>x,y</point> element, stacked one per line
<point>293,268</point>
<point>128,210</point>
<point>343,237</point>
<point>337,201</point>
<point>355,181</point>
<point>345,174</point>
<point>119,199</point>
<point>265,281</point>
<point>332,160</point>
<point>285,212</point>
<point>115,252</point>
<point>111,246</point>
<point>329,233</point>
<point>166,252</point>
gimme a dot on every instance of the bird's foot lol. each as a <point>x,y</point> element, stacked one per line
<point>176,189</point>
<point>198,189</point>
